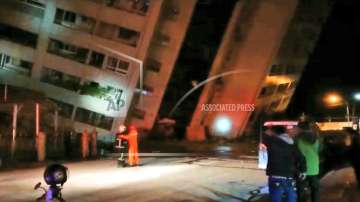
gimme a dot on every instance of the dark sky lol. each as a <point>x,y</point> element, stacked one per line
<point>334,65</point>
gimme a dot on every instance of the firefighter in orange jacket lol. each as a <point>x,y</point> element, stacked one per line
<point>131,137</point>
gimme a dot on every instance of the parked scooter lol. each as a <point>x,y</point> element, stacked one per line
<point>55,176</point>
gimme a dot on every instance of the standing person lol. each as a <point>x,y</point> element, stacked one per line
<point>354,152</point>
<point>285,162</point>
<point>132,138</point>
<point>308,143</point>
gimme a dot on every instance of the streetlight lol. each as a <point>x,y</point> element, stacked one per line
<point>357,96</point>
<point>334,99</point>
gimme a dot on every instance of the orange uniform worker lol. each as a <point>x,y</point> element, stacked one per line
<point>131,137</point>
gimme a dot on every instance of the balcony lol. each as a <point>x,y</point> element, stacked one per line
<point>18,36</point>
<point>68,51</point>
<point>15,65</point>
<point>65,109</point>
<point>74,21</point>
<point>30,7</point>
<point>93,118</point>
<point>60,79</point>
<point>140,7</point>
<point>128,36</point>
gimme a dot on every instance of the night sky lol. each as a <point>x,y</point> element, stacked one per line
<point>334,64</point>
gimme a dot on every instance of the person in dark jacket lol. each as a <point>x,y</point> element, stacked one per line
<point>285,163</point>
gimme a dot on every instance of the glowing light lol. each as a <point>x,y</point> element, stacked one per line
<point>333,99</point>
<point>223,125</point>
<point>357,96</point>
<point>281,123</point>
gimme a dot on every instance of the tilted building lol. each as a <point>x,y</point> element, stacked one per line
<point>262,56</point>
<point>90,56</point>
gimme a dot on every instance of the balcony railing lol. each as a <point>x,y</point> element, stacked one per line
<point>15,65</point>
<point>30,7</point>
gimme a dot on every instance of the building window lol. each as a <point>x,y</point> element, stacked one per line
<point>34,8</point>
<point>276,70</point>
<point>117,65</point>
<point>172,12</point>
<point>140,7</point>
<point>60,79</point>
<point>162,39</point>
<point>93,118</point>
<point>67,50</point>
<point>283,87</point>
<point>18,36</point>
<point>96,59</point>
<point>106,30</point>
<point>74,21</point>
<point>274,105</point>
<point>34,3</point>
<point>139,114</point>
<point>292,85</point>
<point>290,69</point>
<point>148,88</point>
<point>128,36</point>
<point>15,65</point>
<point>268,90</point>
<point>65,109</point>
<point>153,65</point>
<point>64,17</point>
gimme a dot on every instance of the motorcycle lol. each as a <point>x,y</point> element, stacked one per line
<point>54,192</point>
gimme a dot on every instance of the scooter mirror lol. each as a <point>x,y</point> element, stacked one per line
<point>37,186</point>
